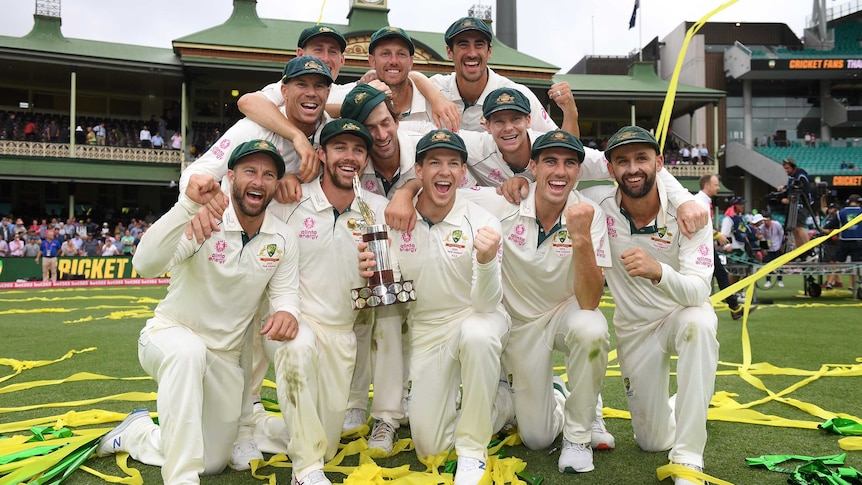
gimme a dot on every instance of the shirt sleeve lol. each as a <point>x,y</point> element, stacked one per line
<point>272,92</point>
<point>164,244</point>
<point>283,288</point>
<point>690,285</point>
<point>487,289</point>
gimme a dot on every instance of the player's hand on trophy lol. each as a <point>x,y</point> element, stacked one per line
<point>366,261</point>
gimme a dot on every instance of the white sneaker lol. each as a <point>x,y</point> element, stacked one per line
<point>575,458</point>
<point>114,441</point>
<point>470,471</point>
<point>781,284</point>
<point>315,477</point>
<point>683,481</point>
<point>242,455</point>
<point>405,421</point>
<point>382,437</point>
<point>354,418</point>
<point>560,387</point>
<point>767,285</point>
<point>600,438</point>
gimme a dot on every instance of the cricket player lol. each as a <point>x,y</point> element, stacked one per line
<point>554,249</point>
<point>457,325</point>
<point>468,45</point>
<point>661,284</point>
<point>193,345</point>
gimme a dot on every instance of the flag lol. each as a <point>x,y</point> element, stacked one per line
<point>634,15</point>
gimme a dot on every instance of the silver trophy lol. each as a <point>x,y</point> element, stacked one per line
<point>382,289</point>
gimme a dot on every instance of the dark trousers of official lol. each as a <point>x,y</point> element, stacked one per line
<point>720,274</point>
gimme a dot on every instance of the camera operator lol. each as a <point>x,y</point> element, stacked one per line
<point>798,183</point>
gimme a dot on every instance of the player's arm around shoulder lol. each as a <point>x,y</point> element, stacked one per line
<point>690,286</point>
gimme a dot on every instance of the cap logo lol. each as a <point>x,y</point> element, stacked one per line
<point>324,29</point>
<point>626,135</point>
<point>359,97</point>
<point>350,126</point>
<point>557,136</point>
<point>313,65</point>
<point>263,145</point>
<point>392,29</point>
<point>468,23</point>
<point>440,136</point>
<point>505,98</point>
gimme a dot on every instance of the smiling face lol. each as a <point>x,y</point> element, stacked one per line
<point>384,131</point>
<point>392,61</point>
<point>304,100</point>
<point>253,182</point>
<point>470,52</point>
<point>343,156</point>
<point>509,129</point>
<point>325,48</point>
<point>634,167</point>
<point>440,171</point>
<point>556,172</point>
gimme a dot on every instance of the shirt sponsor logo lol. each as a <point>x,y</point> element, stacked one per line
<point>371,185</point>
<point>496,175</point>
<point>407,246</point>
<point>309,232</point>
<point>218,256</point>
<point>702,259</point>
<point>611,222</point>
<point>518,237</point>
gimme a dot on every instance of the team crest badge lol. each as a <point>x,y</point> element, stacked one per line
<point>350,126</point>
<point>505,98</point>
<point>456,235</point>
<point>662,231</point>
<point>359,97</point>
<point>563,235</point>
<point>441,136</point>
<point>270,249</point>
<point>558,136</point>
<point>313,65</point>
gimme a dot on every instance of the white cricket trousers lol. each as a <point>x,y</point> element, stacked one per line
<point>464,352</point>
<point>312,378</point>
<point>379,355</point>
<point>199,400</point>
<point>644,356</point>
<point>582,335</point>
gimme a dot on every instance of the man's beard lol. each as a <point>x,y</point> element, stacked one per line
<point>239,203</point>
<point>646,187</point>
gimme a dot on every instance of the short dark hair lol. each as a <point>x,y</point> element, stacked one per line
<point>705,179</point>
<point>789,161</point>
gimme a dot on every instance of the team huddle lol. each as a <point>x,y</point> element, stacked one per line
<point>508,260</point>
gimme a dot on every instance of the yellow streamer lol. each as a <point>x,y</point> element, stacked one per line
<point>19,366</point>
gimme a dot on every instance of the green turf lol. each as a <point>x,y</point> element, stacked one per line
<point>792,332</point>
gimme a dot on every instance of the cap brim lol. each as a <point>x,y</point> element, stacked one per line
<point>555,144</point>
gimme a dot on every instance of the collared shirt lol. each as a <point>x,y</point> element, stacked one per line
<point>440,259</point>
<point>485,164</point>
<point>328,251</point>
<point>538,274</point>
<point>471,116</point>
<point>49,249</point>
<point>373,182</point>
<point>687,264</point>
<point>216,286</point>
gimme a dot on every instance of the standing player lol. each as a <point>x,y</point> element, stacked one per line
<point>468,45</point>
<point>849,241</point>
<point>709,187</point>
<point>193,345</point>
<point>660,282</point>
<point>554,245</point>
<point>458,327</point>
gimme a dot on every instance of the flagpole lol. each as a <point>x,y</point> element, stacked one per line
<point>640,33</point>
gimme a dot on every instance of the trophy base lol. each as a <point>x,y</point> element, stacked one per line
<point>383,295</point>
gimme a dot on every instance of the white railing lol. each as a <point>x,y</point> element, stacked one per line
<point>690,170</point>
<point>92,152</point>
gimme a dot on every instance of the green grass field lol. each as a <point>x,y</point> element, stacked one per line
<point>793,332</point>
